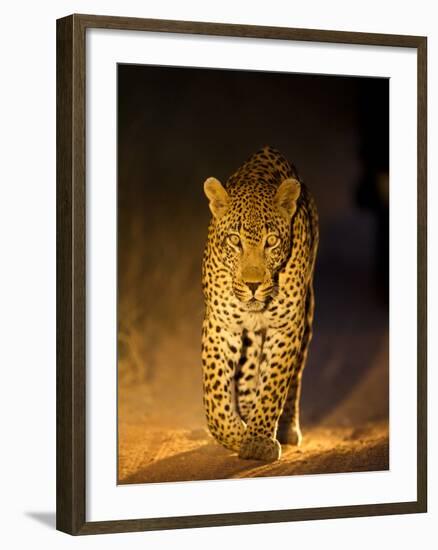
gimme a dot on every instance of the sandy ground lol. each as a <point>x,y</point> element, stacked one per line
<point>180,455</point>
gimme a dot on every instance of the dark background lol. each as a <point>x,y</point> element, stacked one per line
<point>178,126</point>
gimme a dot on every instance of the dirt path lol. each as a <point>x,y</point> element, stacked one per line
<point>150,456</point>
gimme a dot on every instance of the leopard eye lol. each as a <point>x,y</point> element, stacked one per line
<point>272,240</point>
<point>234,239</point>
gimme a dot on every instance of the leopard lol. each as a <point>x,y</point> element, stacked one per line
<point>257,279</point>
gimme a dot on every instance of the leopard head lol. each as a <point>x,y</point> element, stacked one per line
<point>252,232</point>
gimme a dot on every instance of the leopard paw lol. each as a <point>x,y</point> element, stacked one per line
<point>259,447</point>
<point>290,435</point>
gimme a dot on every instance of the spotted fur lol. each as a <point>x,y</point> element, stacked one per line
<point>258,287</point>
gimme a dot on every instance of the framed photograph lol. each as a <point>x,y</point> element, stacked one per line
<point>241,274</point>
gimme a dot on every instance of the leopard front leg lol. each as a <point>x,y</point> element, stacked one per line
<point>220,354</point>
<point>276,367</point>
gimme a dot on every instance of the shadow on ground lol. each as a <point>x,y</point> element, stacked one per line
<point>45,518</point>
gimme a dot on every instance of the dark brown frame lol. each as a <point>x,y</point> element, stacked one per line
<point>71,266</point>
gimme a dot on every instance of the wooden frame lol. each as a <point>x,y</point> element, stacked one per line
<point>71,266</point>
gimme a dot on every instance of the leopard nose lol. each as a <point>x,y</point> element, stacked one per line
<point>253,287</point>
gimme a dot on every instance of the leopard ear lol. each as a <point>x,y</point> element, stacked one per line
<point>218,197</point>
<point>287,196</point>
